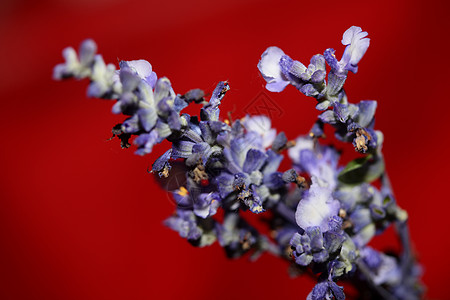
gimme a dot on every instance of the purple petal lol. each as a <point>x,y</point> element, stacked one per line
<point>129,80</point>
<point>366,112</point>
<point>254,160</point>
<point>304,259</point>
<point>162,161</point>
<point>277,86</point>
<point>206,205</point>
<point>145,142</point>
<point>224,184</point>
<point>151,79</point>
<point>131,125</point>
<point>87,51</point>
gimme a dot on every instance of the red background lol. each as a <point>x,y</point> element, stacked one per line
<point>81,219</point>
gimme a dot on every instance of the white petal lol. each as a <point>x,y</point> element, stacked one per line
<point>301,143</point>
<point>348,35</point>
<point>259,124</point>
<point>269,65</point>
<point>142,67</point>
<point>316,208</point>
<point>269,137</point>
<point>358,51</point>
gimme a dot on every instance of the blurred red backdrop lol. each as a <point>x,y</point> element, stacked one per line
<point>81,219</point>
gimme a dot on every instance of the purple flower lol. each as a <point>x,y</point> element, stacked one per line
<point>88,64</point>
<point>190,227</point>
<point>384,268</point>
<point>76,66</point>
<point>261,125</point>
<point>235,166</point>
<point>246,169</point>
<point>198,142</point>
<point>317,160</point>
<point>270,69</point>
<point>204,204</point>
<point>236,235</point>
<point>356,46</point>
<point>142,68</point>
<point>146,141</point>
<point>298,74</point>
<point>326,290</point>
<point>317,207</point>
<point>185,223</point>
<point>211,111</point>
<point>279,70</point>
<point>102,80</point>
<point>250,172</point>
<point>301,143</point>
<point>357,43</point>
<point>161,165</point>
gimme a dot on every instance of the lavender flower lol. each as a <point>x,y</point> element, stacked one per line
<point>317,160</point>
<point>203,202</point>
<point>317,207</point>
<point>76,66</point>
<point>357,43</point>
<point>250,174</point>
<point>270,69</point>
<point>279,70</point>
<point>326,290</point>
<point>356,46</point>
<point>185,223</point>
<point>142,68</point>
<point>323,214</point>
<point>261,126</point>
<point>190,227</point>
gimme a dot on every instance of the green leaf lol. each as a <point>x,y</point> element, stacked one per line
<point>363,169</point>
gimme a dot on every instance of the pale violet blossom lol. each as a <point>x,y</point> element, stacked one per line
<point>142,68</point>
<point>301,143</point>
<point>78,66</point>
<point>356,46</point>
<point>88,64</point>
<point>102,79</point>
<point>318,160</point>
<point>357,43</point>
<point>261,125</point>
<point>317,207</point>
<point>270,69</point>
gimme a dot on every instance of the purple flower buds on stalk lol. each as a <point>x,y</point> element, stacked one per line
<point>324,214</point>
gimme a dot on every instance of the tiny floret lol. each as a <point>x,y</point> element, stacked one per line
<point>270,69</point>
<point>357,43</point>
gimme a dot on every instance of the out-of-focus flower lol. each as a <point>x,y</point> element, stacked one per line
<point>261,125</point>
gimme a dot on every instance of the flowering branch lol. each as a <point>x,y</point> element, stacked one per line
<point>324,215</point>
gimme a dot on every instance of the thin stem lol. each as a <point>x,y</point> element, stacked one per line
<point>406,258</point>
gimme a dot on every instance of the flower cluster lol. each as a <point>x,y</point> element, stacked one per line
<point>323,214</point>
